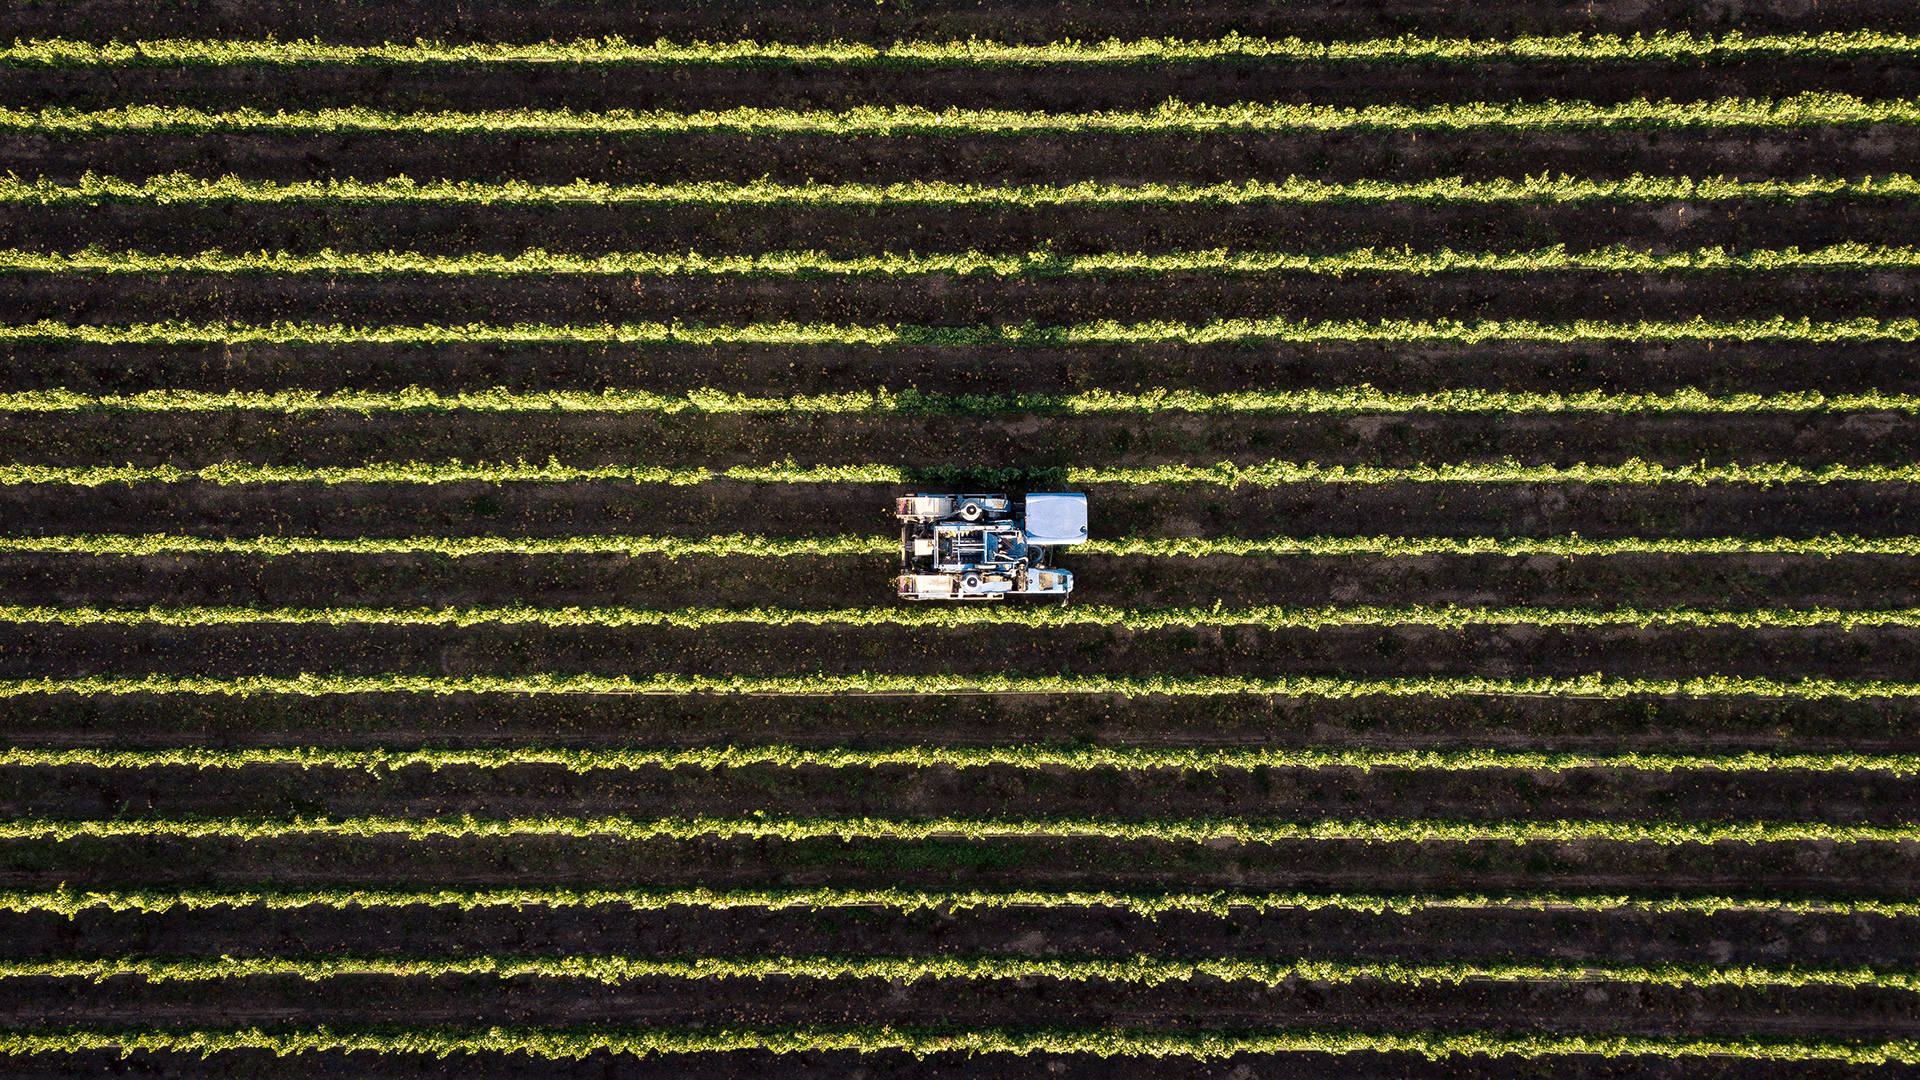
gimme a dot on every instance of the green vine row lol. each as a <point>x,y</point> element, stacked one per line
<point>1277,329</point>
<point>71,902</point>
<point>1317,686</point>
<point>1661,45</point>
<point>1103,1042</point>
<point>1203,759</point>
<point>1132,970</point>
<point>737,544</point>
<point>1225,474</point>
<point>1344,400</point>
<point>1190,830</point>
<point>1800,110</point>
<point>1616,259</point>
<point>1271,617</point>
<point>179,187</point>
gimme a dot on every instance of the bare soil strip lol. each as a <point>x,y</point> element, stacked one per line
<point>991,159</point>
<point>1885,653</point>
<point>946,300</point>
<point>1198,1006</point>
<point>1062,87</point>
<point>851,20</point>
<point>1731,939</point>
<point>1710,582</point>
<point>721,507</point>
<point>1777,870</point>
<point>995,793</point>
<point>587,228</point>
<point>1649,367</point>
<point>720,441</point>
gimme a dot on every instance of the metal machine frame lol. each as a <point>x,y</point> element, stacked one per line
<point>980,547</point>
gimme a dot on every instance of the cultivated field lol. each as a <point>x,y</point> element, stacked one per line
<point>446,461</point>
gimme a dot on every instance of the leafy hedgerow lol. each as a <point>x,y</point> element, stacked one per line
<point>1349,399</point>
<point>1205,759</point>
<point>181,187</point>
<point>1271,617</point>
<point>1104,1042</point>
<point>70,902</point>
<point>1316,686</point>
<point>1278,329</point>
<point>1616,259</point>
<point>1801,110</point>
<point>1226,473</point>
<point>1194,830</point>
<point>734,544</point>
<point>1661,45</point>
<point>1133,970</point>
<point>737,544</point>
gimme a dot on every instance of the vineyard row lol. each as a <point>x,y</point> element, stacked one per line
<point>1661,45</point>
<point>1617,259</point>
<point>71,902</point>
<point>1106,332</point>
<point>1225,474</point>
<point>759,827</point>
<point>959,757</point>
<point>1801,110</point>
<point>1103,1042</point>
<point>737,544</point>
<point>1135,970</point>
<point>1314,686</point>
<point>180,187</point>
<point>1271,617</point>
<point>1363,398</point>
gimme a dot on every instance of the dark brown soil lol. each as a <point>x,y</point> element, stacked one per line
<point>1767,870</point>
<point>720,441</point>
<point>751,650</point>
<point>959,300</point>
<point>1040,88</point>
<point>1730,581</point>
<point>1287,934</point>
<point>1594,153</point>
<point>856,20</point>
<point>909,793</point>
<point>1878,725</point>
<point>1600,511</point>
<point>594,229</point>
<point>1713,367</point>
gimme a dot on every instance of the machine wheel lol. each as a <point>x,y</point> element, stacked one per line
<point>972,511</point>
<point>970,581</point>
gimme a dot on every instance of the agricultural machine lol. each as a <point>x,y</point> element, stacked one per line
<point>984,547</point>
